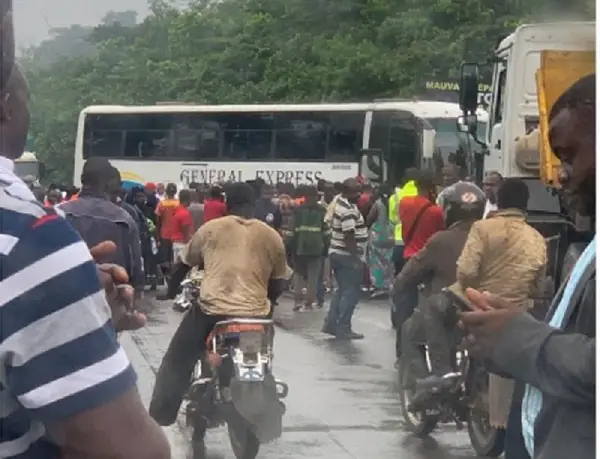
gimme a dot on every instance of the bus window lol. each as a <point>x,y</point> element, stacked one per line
<point>197,139</point>
<point>345,135</point>
<point>301,136</point>
<point>103,143</point>
<point>246,136</point>
<point>148,143</point>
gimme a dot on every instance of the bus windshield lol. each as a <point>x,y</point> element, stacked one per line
<point>448,139</point>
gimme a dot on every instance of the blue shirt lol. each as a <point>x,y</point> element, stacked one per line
<point>268,212</point>
<point>533,397</point>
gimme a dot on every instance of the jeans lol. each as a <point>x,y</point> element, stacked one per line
<point>306,277</point>
<point>398,258</point>
<point>321,282</point>
<point>348,272</point>
<point>405,302</point>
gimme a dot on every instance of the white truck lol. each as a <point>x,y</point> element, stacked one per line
<point>558,54</point>
<point>514,111</point>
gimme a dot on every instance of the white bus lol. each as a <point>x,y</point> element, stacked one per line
<point>278,143</point>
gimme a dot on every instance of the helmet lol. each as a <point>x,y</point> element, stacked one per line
<point>463,201</point>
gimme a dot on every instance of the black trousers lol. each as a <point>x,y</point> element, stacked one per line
<point>514,446</point>
<point>174,375</point>
<point>398,258</point>
<point>405,302</point>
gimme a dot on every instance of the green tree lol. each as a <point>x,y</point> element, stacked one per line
<point>247,51</point>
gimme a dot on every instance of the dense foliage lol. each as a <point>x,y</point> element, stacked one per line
<point>242,51</point>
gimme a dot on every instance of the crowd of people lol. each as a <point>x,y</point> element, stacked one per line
<point>69,390</point>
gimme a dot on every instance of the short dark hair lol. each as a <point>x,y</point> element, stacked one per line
<point>513,194</point>
<point>582,93</point>
<point>310,191</point>
<point>425,181</point>
<point>185,196</point>
<point>96,172</point>
<point>239,194</point>
<point>171,189</point>
<point>216,192</point>
<point>411,174</point>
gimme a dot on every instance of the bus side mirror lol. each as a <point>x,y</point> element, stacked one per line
<point>469,87</point>
<point>371,165</point>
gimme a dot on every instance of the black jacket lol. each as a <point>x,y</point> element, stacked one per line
<point>562,365</point>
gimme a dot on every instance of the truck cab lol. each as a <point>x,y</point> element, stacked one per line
<point>516,144</point>
<point>514,111</point>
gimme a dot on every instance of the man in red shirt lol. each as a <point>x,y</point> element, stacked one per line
<point>214,205</point>
<point>182,224</point>
<point>420,219</point>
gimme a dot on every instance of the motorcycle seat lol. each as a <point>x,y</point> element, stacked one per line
<point>232,330</point>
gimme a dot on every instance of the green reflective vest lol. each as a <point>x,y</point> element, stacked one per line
<point>409,189</point>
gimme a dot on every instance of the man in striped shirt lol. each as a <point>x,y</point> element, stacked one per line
<point>347,255</point>
<point>67,389</point>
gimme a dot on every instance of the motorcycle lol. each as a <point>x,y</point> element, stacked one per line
<point>463,400</point>
<point>234,385</point>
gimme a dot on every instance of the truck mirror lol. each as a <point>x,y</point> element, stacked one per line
<point>469,87</point>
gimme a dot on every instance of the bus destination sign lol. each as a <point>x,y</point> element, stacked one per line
<point>273,173</point>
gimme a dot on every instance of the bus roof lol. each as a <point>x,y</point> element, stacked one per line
<point>421,109</point>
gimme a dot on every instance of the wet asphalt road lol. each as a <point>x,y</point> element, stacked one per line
<point>342,403</point>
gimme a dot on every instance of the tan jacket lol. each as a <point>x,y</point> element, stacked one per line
<point>505,256</point>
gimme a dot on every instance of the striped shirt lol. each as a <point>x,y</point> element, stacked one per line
<point>347,219</point>
<point>59,354</point>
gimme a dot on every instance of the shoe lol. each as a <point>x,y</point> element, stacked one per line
<point>328,330</point>
<point>351,335</point>
<point>297,307</point>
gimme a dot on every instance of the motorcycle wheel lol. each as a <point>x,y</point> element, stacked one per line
<point>420,424</point>
<point>487,441</point>
<point>243,442</point>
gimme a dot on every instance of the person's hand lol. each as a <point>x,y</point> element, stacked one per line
<point>485,322</point>
<point>119,294</point>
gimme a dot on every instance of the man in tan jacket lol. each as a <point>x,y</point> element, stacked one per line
<point>504,256</point>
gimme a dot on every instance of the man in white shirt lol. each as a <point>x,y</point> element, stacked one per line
<point>491,183</point>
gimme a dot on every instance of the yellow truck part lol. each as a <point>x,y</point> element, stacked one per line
<point>558,71</point>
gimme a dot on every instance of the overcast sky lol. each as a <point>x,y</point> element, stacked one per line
<point>33,18</point>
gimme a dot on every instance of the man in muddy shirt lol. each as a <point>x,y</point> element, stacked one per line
<point>244,271</point>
